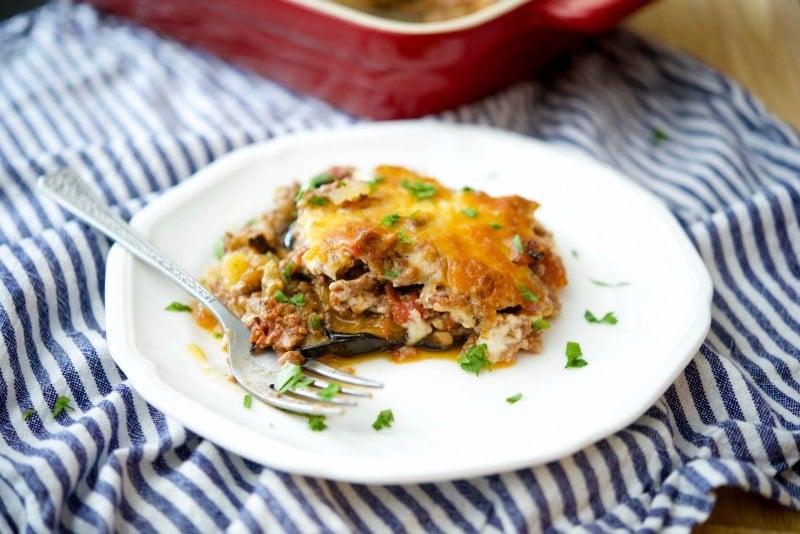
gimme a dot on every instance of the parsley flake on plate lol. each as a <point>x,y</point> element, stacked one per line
<point>27,413</point>
<point>384,420</point>
<point>177,306</point>
<point>608,284</point>
<point>514,398</point>
<point>574,356</point>
<point>608,318</point>
<point>473,359</point>
<point>317,423</point>
<point>470,212</point>
<point>248,401</point>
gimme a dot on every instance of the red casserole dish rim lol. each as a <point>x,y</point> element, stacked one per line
<point>375,22</point>
<point>577,15</point>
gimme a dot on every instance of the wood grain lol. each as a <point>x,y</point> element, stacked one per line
<point>757,43</point>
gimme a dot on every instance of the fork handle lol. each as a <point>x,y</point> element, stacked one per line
<point>69,191</point>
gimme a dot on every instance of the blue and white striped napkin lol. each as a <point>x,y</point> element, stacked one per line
<point>136,113</point>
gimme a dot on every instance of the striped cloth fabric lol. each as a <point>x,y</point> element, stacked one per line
<point>87,91</point>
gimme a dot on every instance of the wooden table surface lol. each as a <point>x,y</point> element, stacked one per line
<point>757,43</point>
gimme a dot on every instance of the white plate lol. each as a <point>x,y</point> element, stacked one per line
<point>448,423</point>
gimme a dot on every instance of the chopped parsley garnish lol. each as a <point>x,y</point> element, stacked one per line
<point>574,356</point>
<point>391,273</point>
<point>317,201</point>
<point>389,220</point>
<point>177,306</point>
<point>27,413</point>
<point>291,376</point>
<point>287,376</point>
<point>219,248</point>
<point>321,179</point>
<point>298,299</point>
<point>384,420</point>
<point>468,189</point>
<point>473,359</point>
<point>403,238</point>
<point>314,183</point>
<point>528,294</point>
<point>419,190</point>
<point>658,136</point>
<point>575,254</point>
<point>317,423</point>
<point>248,401</point>
<point>315,321</point>
<point>496,226</point>
<point>540,324</point>
<point>608,284</point>
<point>62,403</point>
<point>287,270</point>
<point>514,398</point>
<point>375,181</point>
<point>470,212</point>
<point>517,241</point>
<point>329,391</point>
<point>608,318</point>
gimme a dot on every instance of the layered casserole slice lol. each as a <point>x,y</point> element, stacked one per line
<point>391,260</point>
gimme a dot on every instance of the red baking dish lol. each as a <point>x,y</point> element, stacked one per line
<point>375,67</point>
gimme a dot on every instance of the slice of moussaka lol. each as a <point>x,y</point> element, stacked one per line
<point>392,260</point>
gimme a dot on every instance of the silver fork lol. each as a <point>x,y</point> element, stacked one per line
<point>68,190</point>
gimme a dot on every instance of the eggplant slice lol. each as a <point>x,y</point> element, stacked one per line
<point>349,344</point>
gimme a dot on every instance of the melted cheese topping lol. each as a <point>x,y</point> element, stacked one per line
<point>463,246</point>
